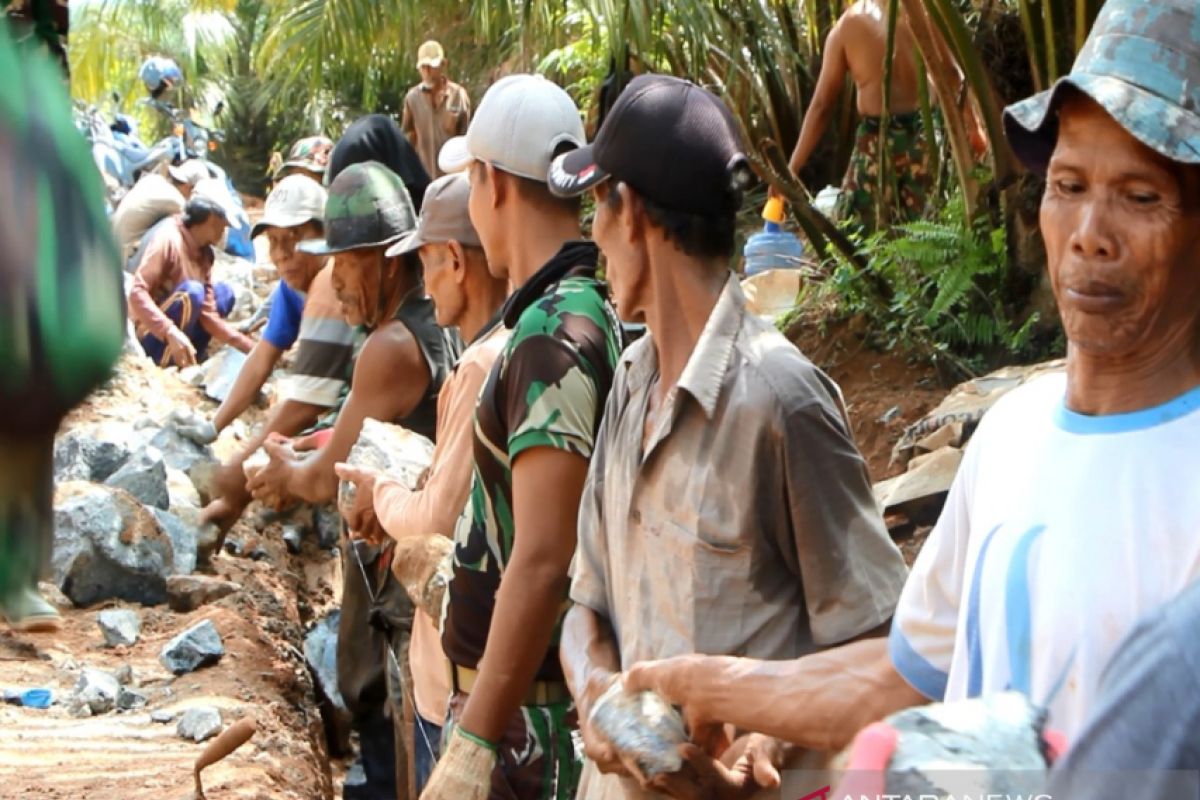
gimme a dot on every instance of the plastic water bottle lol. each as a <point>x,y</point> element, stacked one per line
<point>773,247</point>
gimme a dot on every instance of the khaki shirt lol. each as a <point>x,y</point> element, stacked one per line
<point>428,126</point>
<point>748,527</point>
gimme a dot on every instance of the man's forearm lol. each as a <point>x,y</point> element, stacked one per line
<point>818,702</point>
<point>523,621</point>
<point>588,652</point>
<point>250,380</point>
<point>815,122</point>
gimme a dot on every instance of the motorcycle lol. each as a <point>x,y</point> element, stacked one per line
<point>120,156</point>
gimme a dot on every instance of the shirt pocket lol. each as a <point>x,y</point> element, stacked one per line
<point>716,568</point>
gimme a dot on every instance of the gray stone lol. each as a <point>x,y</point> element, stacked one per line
<point>145,477</point>
<point>198,646</point>
<point>129,699</point>
<point>189,592</point>
<point>221,372</point>
<point>200,723</point>
<point>183,541</point>
<point>180,452</point>
<point>328,525</point>
<point>123,675</point>
<point>320,653</point>
<point>162,716</point>
<point>108,546</point>
<point>89,453</point>
<point>97,691</point>
<point>293,536</point>
<point>120,626</point>
<point>402,454</point>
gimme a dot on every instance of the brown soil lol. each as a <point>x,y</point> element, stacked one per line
<point>884,392</point>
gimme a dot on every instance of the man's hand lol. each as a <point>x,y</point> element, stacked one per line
<point>360,513</point>
<point>759,757</point>
<point>464,772</point>
<point>675,680</point>
<point>704,778</point>
<point>596,746</point>
<point>183,352</point>
<point>270,485</point>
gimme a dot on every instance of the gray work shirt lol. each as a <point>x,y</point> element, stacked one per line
<point>748,526</point>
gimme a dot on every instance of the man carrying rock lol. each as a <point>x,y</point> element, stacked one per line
<point>511,716</point>
<point>727,508</point>
<point>436,109</point>
<point>1074,512</point>
<point>304,309</point>
<point>176,307</point>
<point>468,297</point>
<point>401,359</point>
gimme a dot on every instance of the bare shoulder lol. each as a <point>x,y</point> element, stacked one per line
<point>390,354</point>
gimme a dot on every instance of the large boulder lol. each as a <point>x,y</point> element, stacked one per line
<point>91,452</point>
<point>198,646</point>
<point>108,546</point>
<point>180,452</point>
<point>399,452</point>
<point>200,723</point>
<point>145,477</point>
<point>96,692</point>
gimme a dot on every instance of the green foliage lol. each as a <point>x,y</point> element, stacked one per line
<point>935,287</point>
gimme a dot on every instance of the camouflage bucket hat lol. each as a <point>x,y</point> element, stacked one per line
<point>310,153</point>
<point>368,206</point>
<point>1141,63</point>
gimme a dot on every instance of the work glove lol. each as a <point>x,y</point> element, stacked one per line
<point>424,566</point>
<point>195,428</point>
<point>464,772</point>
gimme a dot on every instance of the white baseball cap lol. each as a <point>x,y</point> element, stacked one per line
<point>520,124</point>
<point>294,201</point>
<point>214,191</point>
<point>191,171</point>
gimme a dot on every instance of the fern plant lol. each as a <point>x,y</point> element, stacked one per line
<point>934,287</point>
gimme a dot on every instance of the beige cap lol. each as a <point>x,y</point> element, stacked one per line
<point>295,200</point>
<point>430,54</point>
<point>444,217</point>
<point>520,123</point>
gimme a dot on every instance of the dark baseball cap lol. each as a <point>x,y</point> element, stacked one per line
<point>675,143</point>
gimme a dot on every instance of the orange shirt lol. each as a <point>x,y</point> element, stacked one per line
<point>437,506</point>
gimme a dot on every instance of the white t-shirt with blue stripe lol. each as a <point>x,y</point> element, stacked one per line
<point>1059,533</point>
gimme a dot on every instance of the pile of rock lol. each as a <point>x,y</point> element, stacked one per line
<point>931,449</point>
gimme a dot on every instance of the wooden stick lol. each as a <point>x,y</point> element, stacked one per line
<point>230,739</point>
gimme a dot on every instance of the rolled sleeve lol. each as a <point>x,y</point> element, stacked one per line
<point>550,398</point>
<point>851,571</point>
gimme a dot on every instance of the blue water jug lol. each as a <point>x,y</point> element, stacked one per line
<point>773,247</point>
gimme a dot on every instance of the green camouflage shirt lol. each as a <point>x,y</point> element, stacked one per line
<point>547,389</point>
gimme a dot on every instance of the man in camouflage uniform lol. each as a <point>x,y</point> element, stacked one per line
<point>62,317</point>
<point>511,731</point>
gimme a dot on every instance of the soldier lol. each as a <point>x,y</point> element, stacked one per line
<point>512,722</point>
<point>62,317</point>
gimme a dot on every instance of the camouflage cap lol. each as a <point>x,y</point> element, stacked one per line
<point>1141,63</point>
<point>368,206</point>
<point>310,153</point>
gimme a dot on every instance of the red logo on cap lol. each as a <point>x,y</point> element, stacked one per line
<point>586,173</point>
